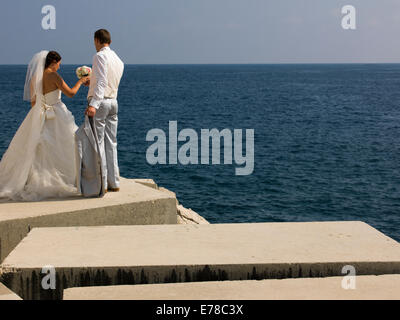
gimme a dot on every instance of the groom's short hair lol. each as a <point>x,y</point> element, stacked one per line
<point>103,36</point>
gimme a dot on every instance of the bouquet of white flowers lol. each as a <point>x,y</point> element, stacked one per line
<point>83,72</point>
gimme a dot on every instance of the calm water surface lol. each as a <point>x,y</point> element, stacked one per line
<point>326,137</point>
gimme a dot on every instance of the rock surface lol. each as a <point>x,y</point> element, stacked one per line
<point>185,216</point>
<point>386,287</point>
<point>188,216</point>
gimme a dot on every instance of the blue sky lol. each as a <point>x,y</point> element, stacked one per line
<point>205,31</point>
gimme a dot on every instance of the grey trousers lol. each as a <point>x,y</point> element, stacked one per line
<point>106,122</point>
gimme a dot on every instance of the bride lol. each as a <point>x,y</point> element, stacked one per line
<point>40,160</point>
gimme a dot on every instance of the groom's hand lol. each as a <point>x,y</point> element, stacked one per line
<point>91,111</point>
<point>86,83</point>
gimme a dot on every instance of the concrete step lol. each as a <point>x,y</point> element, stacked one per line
<point>7,294</point>
<point>135,204</point>
<point>92,256</point>
<point>385,287</point>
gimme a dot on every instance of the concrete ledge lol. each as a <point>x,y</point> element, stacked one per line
<point>384,287</point>
<point>135,204</point>
<point>96,256</point>
<point>6,294</point>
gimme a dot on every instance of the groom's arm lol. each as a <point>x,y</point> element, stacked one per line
<point>100,73</point>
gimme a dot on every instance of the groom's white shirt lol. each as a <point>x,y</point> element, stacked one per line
<point>107,70</point>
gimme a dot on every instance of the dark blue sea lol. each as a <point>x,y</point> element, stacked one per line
<point>327,137</point>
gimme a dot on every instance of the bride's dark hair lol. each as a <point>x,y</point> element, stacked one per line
<point>52,56</point>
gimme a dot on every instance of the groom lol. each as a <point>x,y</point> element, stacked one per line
<point>102,110</point>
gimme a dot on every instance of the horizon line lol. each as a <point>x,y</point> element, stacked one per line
<point>213,63</point>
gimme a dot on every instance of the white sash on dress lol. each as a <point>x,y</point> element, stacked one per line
<point>48,111</point>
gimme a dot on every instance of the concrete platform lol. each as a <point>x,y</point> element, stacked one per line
<point>85,256</point>
<point>386,287</point>
<point>6,294</point>
<point>135,204</point>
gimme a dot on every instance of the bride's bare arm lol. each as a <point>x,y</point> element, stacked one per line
<point>69,92</point>
<point>33,101</point>
<point>33,98</point>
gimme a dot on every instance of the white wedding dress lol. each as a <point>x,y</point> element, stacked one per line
<point>40,161</point>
